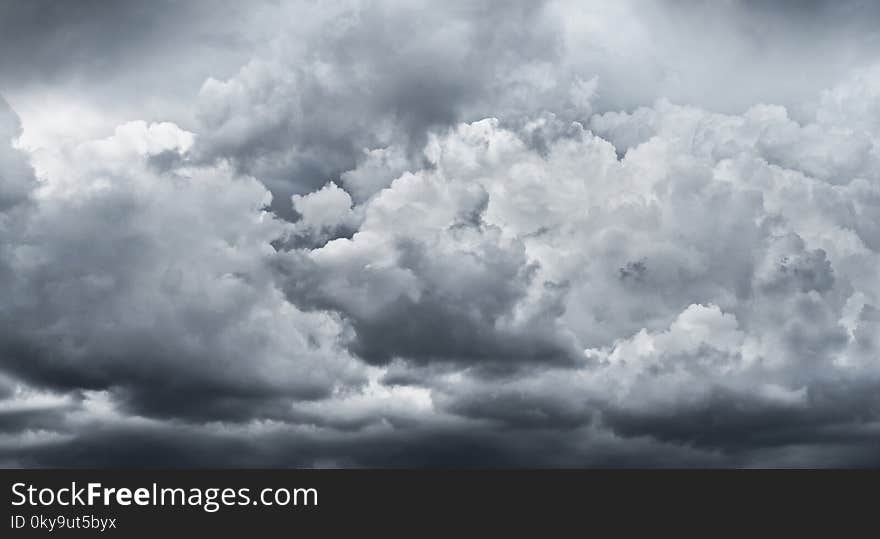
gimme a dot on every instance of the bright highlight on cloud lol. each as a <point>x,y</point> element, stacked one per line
<point>513,234</point>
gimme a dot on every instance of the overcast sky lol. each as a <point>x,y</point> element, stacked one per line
<point>498,233</point>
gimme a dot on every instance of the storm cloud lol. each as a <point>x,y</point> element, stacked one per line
<point>411,234</point>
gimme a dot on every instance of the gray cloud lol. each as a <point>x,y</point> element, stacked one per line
<point>519,234</point>
<point>359,81</point>
<point>155,310</point>
<point>17,175</point>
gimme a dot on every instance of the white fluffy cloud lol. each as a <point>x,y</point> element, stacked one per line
<point>723,259</point>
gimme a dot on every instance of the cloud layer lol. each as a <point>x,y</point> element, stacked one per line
<point>518,234</point>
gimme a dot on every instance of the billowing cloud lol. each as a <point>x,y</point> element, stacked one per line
<point>697,288</point>
<point>152,282</point>
<point>501,235</point>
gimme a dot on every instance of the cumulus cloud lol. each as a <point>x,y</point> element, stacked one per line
<point>152,283</point>
<point>521,238</point>
<point>697,272</point>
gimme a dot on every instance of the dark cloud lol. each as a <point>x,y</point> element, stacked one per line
<point>113,288</point>
<point>16,173</point>
<point>363,82</point>
<point>458,314</point>
<point>182,446</point>
<point>496,234</point>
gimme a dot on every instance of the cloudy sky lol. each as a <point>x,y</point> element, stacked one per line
<point>500,233</point>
